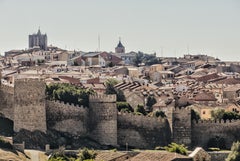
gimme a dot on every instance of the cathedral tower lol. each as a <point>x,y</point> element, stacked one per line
<point>39,40</point>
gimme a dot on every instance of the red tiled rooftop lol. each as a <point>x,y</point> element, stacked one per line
<point>208,77</point>
<point>205,97</point>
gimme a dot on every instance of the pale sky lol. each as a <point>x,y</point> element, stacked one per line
<point>166,27</point>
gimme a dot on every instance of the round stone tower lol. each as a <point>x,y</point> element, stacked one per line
<point>103,119</point>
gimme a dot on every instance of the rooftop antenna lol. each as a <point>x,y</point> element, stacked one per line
<point>119,39</point>
<point>188,49</point>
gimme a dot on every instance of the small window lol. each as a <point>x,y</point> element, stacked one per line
<point>204,112</point>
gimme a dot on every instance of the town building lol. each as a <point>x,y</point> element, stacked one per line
<point>120,48</point>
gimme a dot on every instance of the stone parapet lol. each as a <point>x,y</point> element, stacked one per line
<point>102,98</point>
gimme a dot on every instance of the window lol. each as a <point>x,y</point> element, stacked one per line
<point>204,112</point>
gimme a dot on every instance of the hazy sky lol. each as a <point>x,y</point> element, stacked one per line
<point>166,27</point>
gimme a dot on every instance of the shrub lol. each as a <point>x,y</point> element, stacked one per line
<point>140,109</point>
<point>110,83</point>
<point>86,154</point>
<point>225,115</point>
<point>234,155</point>
<point>159,114</point>
<point>124,106</point>
<point>69,93</point>
<point>174,147</point>
<point>150,101</point>
<point>59,155</point>
<point>194,115</point>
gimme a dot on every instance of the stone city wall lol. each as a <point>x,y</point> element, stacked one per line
<point>65,117</point>
<point>29,105</point>
<point>203,131</point>
<point>181,125</point>
<point>142,132</point>
<point>6,101</point>
<point>103,119</point>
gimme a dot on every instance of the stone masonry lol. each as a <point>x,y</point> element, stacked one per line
<point>103,119</point>
<point>26,106</point>
<point>29,105</point>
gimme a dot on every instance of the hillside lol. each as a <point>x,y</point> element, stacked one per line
<point>6,155</point>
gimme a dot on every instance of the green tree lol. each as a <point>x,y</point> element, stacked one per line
<point>150,101</point>
<point>234,155</point>
<point>110,83</point>
<point>225,115</point>
<point>138,59</point>
<point>140,109</point>
<point>59,155</point>
<point>217,114</point>
<point>159,114</point>
<point>69,93</point>
<point>194,115</point>
<point>230,115</point>
<point>174,147</point>
<point>124,106</point>
<point>110,64</point>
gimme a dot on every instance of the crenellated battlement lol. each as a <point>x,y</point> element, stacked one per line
<point>67,104</point>
<point>102,98</point>
<point>141,117</point>
<point>140,120</point>
<point>28,79</point>
<point>214,122</point>
<point>7,88</point>
<point>57,110</point>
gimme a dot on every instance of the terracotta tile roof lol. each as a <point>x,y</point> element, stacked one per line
<point>71,80</point>
<point>229,81</point>
<point>109,57</point>
<point>184,101</point>
<point>109,156</point>
<point>159,156</point>
<point>208,77</point>
<point>232,88</point>
<point>205,97</point>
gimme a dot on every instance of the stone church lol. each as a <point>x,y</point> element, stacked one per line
<point>38,40</point>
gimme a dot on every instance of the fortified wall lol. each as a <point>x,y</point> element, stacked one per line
<point>142,132</point>
<point>65,117</point>
<point>26,106</point>
<point>29,105</point>
<point>182,126</point>
<point>199,133</point>
<point>6,101</point>
<point>103,119</point>
<point>203,131</point>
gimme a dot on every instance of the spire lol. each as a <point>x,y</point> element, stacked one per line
<point>120,43</point>
<point>39,32</point>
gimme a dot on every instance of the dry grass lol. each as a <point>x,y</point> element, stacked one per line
<point>6,155</point>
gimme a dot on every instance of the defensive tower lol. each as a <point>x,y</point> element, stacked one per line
<point>103,119</point>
